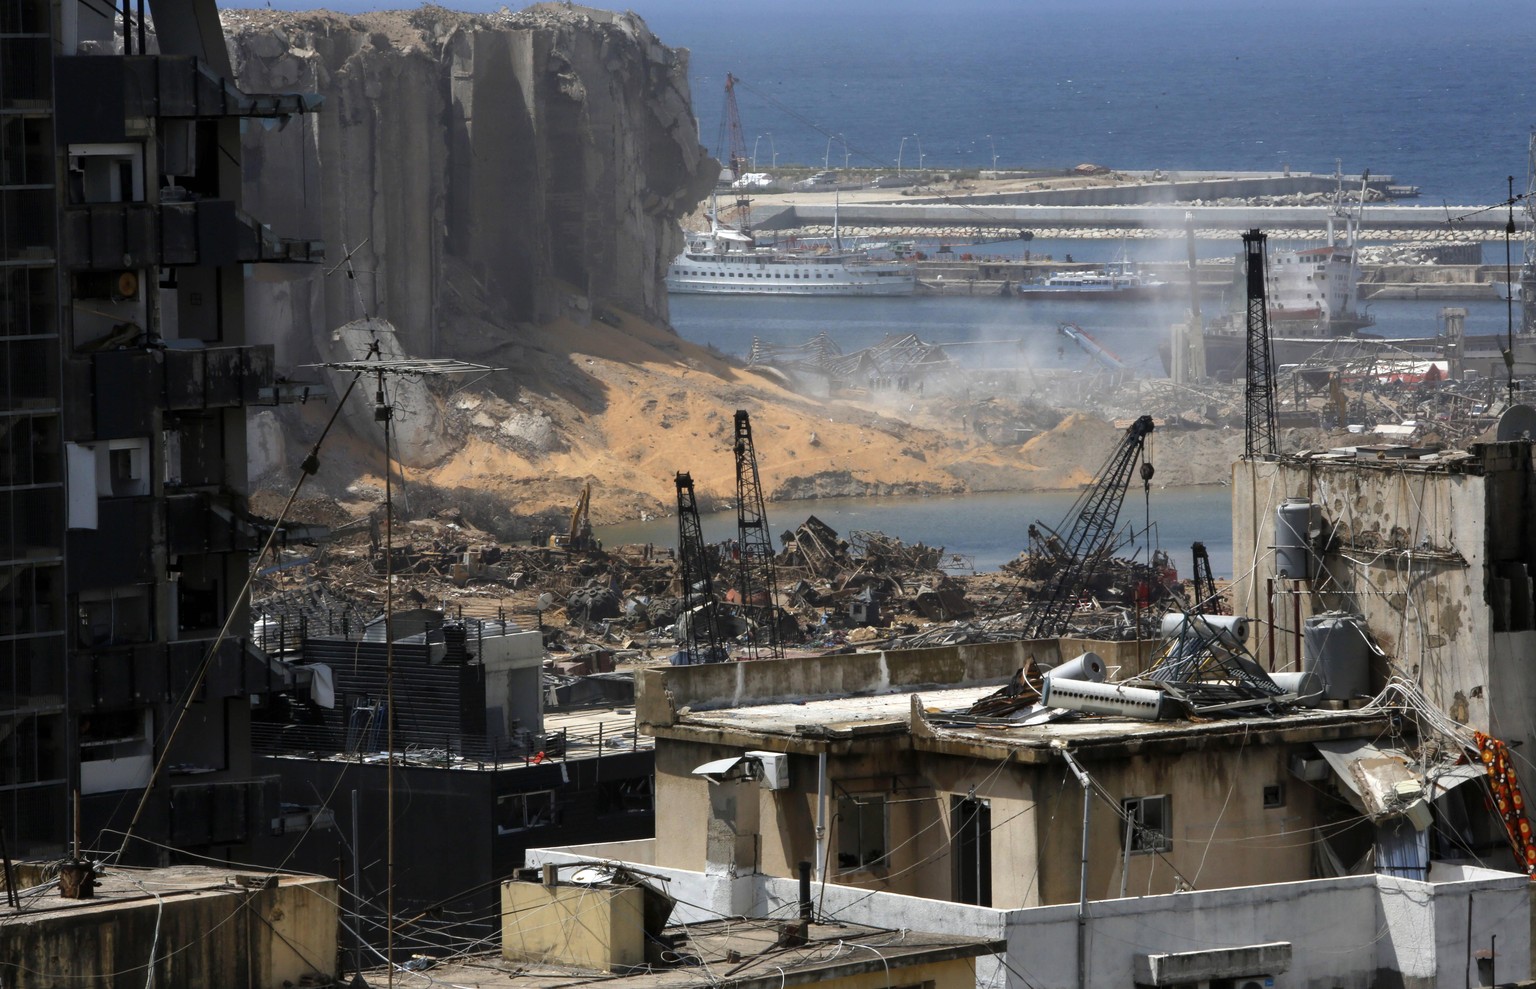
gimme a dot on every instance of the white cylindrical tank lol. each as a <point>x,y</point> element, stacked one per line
<point>1230,630</point>
<point>1336,648</point>
<point>1293,540</point>
<point>1306,686</point>
<point>1102,698</point>
<point>1088,666</point>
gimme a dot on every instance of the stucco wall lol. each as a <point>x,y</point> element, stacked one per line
<point>209,937</point>
<point>1353,933</point>
<point>1222,834</point>
<point>1397,534</point>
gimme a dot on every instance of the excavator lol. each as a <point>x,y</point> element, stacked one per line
<point>579,538</point>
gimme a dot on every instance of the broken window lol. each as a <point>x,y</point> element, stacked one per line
<point>31,748</point>
<point>110,734</point>
<point>861,831</point>
<point>1148,821</point>
<point>524,811</point>
<point>115,617</point>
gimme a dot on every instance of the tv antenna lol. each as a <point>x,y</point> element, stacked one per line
<point>384,414</point>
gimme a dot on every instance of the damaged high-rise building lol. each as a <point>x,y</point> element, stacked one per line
<point>127,373</point>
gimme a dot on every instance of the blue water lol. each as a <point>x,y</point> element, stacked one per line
<point>1436,94</point>
<point>1020,333</point>
<point>990,529</point>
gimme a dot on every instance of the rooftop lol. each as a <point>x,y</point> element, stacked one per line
<point>937,717</point>
<point>744,954</point>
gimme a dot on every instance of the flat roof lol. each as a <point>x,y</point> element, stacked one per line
<point>742,954</point>
<point>936,720</point>
<point>118,886</point>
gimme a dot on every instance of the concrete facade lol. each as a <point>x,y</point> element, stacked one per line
<point>180,928</point>
<point>990,814</point>
<point>1355,932</point>
<point>1436,555</point>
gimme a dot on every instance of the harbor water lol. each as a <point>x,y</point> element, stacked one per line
<point>999,333</point>
<point>988,530</point>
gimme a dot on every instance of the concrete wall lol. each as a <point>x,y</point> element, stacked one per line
<point>1428,610</point>
<point>212,936</point>
<point>514,668</point>
<point>592,927</point>
<point>663,691</point>
<point>1352,933</point>
<point>1221,832</point>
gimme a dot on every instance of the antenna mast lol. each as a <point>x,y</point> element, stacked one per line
<point>384,414</point>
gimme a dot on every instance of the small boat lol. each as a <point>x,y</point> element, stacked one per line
<point>1117,281</point>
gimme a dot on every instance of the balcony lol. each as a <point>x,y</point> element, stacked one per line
<point>151,86</point>
<point>196,524</point>
<point>112,236</point>
<point>129,386</point>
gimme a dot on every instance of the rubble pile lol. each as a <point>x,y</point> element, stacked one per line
<point>599,607</point>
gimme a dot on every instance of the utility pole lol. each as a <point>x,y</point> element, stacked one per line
<point>1082,877</point>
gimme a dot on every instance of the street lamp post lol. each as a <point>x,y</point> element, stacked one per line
<point>920,155</point>
<point>826,156</point>
<point>754,151</point>
<point>994,151</point>
<point>846,153</point>
<point>773,149</point>
<point>899,151</point>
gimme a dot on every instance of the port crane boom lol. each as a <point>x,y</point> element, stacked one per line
<point>756,578</point>
<point>1090,537</point>
<point>698,625</point>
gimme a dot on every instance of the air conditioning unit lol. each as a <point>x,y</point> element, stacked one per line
<point>775,769</point>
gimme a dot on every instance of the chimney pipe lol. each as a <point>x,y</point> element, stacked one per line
<point>805,892</point>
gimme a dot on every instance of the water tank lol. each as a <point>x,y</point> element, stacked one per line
<point>1293,525</point>
<point>1335,647</point>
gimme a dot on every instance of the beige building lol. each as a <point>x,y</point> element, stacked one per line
<point>870,767</point>
<point>581,925</point>
<point>1435,550</point>
<point>178,927</point>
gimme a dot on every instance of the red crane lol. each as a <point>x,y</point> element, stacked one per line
<point>731,150</point>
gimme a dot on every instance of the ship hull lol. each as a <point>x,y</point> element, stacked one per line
<point>1226,354</point>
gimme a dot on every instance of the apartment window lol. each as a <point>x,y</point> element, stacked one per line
<point>1148,821</point>
<point>523,811</point>
<point>861,831</point>
<point>1274,796</point>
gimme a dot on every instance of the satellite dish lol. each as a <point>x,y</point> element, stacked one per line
<point>1517,423</point>
<point>591,875</point>
<point>545,600</point>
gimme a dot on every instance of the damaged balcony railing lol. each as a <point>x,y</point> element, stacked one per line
<point>445,749</point>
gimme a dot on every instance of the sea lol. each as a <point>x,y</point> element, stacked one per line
<point>1437,95</point>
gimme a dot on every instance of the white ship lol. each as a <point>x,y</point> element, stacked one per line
<point>726,261</point>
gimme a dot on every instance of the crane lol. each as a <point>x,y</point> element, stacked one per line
<point>699,631</point>
<point>1091,534</point>
<point>756,580</point>
<point>1259,393</point>
<point>731,150</point>
<point>1207,600</point>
